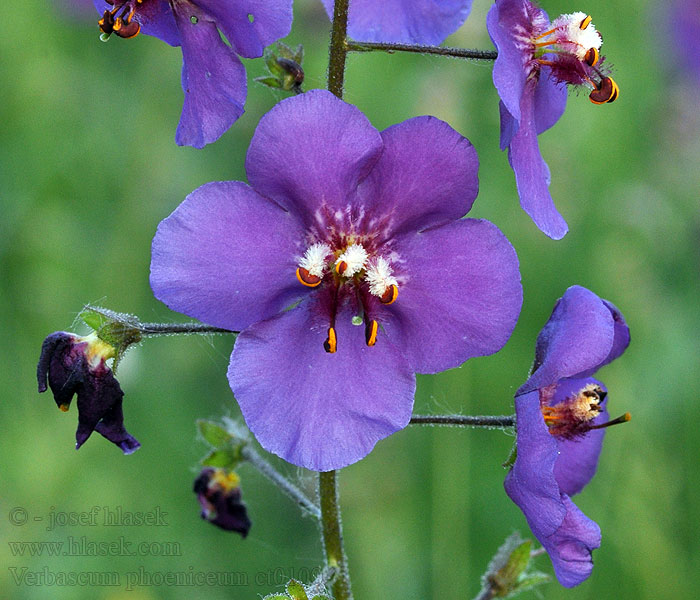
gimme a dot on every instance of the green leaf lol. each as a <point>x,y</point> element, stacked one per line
<point>272,82</point>
<point>213,433</point>
<point>276,597</point>
<point>296,590</point>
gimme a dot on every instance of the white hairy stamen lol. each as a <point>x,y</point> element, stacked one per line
<point>379,277</point>
<point>314,260</point>
<point>569,29</point>
<point>355,256</point>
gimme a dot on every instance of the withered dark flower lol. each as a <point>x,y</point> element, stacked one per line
<point>74,365</point>
<point>219,495</point>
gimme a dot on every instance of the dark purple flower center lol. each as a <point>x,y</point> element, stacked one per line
<point>349,267</point>
<point>570,47</point>
<point>573,416</point>
<point>120,19</point>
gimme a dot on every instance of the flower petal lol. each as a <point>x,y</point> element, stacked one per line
<point>426,175</point>
<point>566,533</point>
<point>426,22</point>
<point>575,340</point>
<point>461,298</point>
<point>227,256</point>
<point>250,25</point>
<point>530,483</point>
<point>531,172</point>
<point>311,151</point>
<point>318,410</point>
<point>578,457</point>
<point>155,17</point>
<point>213,80</point>
<point>509,74</point>
<point>550,101</point>
<point>571,546</point>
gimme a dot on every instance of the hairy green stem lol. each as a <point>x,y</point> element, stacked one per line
<point>500,422</point>
<point>331,527</point>
<point>280,481</point>
<point>332,531</point>
<point>338,48</point>
<point>155,329</point>
<point>352,46</point>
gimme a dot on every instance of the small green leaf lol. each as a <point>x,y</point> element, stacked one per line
<point>276,597</point>
<point>321,597</point>
<point>296,590</point>
<point>213,433</point>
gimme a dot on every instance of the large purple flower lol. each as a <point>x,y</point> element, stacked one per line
<point>536,60</point>
<point>389,279</point>
<point>408,21</point>
<point>213,77</point>
<point>561,414</point>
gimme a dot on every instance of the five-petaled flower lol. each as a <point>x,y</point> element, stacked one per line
<point>561,416</point>
<point>77,365</point>
<point>342,226</point>
<point>219,495</point>
<point>213,77</point>
<point>424,22</point>
<point>536,60</point>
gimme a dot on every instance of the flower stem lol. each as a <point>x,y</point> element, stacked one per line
<point>338,48</point>
<point>155,329</point>
<point>332,532</point>
<point>280,481</point>
<point>498,422</point>
<point>352,46</point>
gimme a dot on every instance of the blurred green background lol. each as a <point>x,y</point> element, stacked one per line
<point>88,168</point>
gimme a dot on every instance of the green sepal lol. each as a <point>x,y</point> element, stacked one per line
<point>119,330</point>
<point>223,459</point>
<point>213,433</point>
<point>276,597</point>
<point>505,579</point>
<point>321,597</point>
<point>510,571</point>
<point>272,82</point>
<point>510,461</point>
<point>296,590</point>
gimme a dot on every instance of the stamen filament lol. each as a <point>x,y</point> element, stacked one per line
<point>546,33</point>
<point>621,419</point>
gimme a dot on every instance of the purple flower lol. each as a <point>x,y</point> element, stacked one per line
<point>219,495</point>
<point>76,365</point>
<point>536,59</point>
<point>389,280</point>
<point>684,17</point>
<point>561,415</point>
<point>213,77</point>
<point>424,22</point>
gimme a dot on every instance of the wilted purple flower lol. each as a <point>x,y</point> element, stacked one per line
<point>76,365</point>
<point>219,495</point>
<point>424,22</point>
<point>389,280</point>
<point>536,59</point>
<point>561,417</point>
<point>213,77</point>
